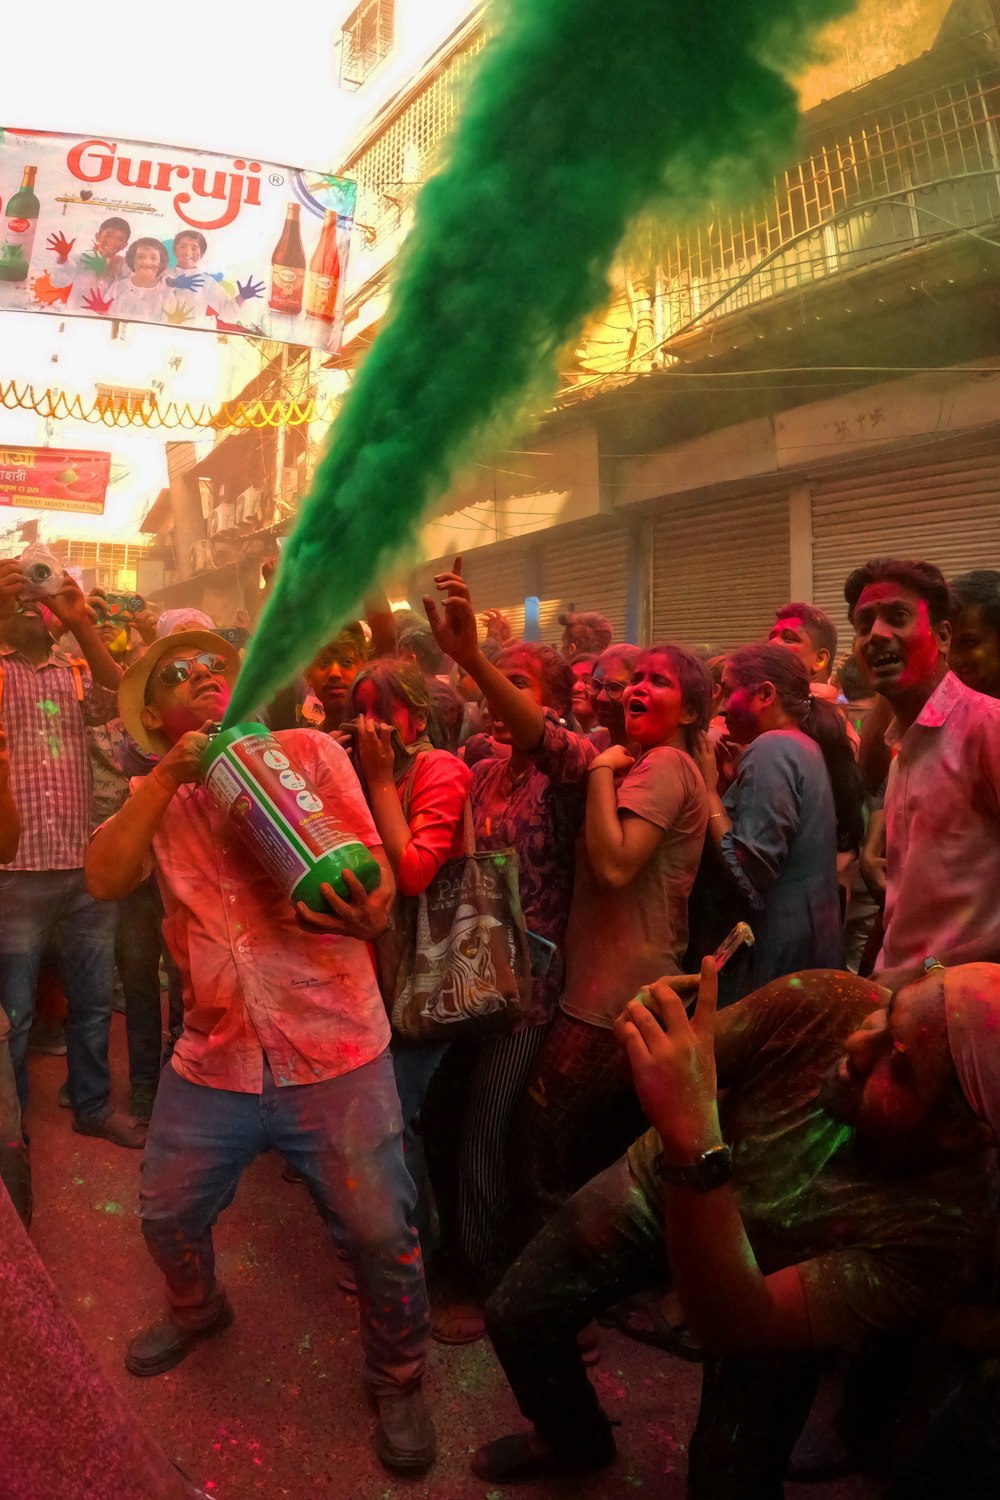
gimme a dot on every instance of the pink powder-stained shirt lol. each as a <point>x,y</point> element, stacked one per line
<point>942,808</point>
<point>45,710</point>
<point>434,793</point>
<point>256,984</point>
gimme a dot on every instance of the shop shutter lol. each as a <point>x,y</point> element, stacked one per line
<point>496,577</point>
<point>945,510</point>
<point>588,571</point>
<point>720,568</point>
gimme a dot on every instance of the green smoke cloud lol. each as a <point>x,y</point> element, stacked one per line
<point>582,113</point>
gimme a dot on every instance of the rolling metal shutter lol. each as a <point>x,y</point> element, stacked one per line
<point>589,571</point>
<point>720,569</point>
<point>945,510</point>
<point>497,581</point>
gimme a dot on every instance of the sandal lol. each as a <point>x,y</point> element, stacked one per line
<point>645,1320</point>
<point>458,1323</point>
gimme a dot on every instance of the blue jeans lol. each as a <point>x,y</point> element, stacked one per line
<point>43,907</point>
<point>345,1137</point>
<point>415,1066</point>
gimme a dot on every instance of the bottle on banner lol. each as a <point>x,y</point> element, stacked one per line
<point>19,225</point>
<point>288,267</point>
<point>281,818</point>
<point>323,280</point>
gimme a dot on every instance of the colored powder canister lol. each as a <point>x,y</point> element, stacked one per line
<point>281,818</point>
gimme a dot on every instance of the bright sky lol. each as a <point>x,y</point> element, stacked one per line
<point>252,78</point>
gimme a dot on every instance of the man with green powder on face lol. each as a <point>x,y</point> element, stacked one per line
<point>819,1172</point>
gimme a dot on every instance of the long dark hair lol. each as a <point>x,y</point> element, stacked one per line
<point>695,682</point>
<point>751,667</point>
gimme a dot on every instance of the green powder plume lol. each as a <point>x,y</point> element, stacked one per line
<point>581,114</point>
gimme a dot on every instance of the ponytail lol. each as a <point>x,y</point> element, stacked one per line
<point>826,726</point>
<point>752,666</point>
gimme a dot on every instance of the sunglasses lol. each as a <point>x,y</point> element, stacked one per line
<point>181,669</point>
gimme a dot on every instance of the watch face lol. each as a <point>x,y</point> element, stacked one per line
<point>713,1169</point>
<point>716,1167</point>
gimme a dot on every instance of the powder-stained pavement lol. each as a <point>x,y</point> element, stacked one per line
<point>274,1406</point>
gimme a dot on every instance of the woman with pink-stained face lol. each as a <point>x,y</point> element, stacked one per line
<point>418,797</point>
<point>635,866</point>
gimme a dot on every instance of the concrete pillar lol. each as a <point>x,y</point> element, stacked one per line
<point>800,544</point>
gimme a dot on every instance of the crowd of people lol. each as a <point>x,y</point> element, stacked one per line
<point>749,1164</point>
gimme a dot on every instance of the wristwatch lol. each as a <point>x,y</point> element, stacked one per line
<point>930,964</point>
<point>713,1169</point>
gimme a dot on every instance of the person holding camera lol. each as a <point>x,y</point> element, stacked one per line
<point>47,701</point>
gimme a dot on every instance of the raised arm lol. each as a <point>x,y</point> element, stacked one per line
<point>457,633</point>
<point>118,854</point>
<point>71,609</point>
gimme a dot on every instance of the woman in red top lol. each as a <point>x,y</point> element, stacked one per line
<point>417,796</point>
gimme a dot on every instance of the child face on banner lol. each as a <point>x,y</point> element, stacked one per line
<point>110,242</point>
<point>148,265</point>
<point>188,250</point>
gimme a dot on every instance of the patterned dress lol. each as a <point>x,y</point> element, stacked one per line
<point>539,813</point>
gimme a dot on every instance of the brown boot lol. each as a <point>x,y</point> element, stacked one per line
<point>405,1440</point>
<point>163,1345</point>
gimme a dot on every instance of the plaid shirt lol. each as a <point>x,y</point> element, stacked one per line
<point>45,710</point>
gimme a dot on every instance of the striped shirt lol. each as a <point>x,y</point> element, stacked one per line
<point>45,710</point>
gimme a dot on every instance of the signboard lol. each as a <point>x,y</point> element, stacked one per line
<point>54,479</point>
<point>101,228</point>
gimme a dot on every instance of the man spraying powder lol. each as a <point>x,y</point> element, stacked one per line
<point>284,1045</point>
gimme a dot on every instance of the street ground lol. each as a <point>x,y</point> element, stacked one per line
<point>274,1406</point>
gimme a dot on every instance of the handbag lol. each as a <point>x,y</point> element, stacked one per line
<point>456,963</point>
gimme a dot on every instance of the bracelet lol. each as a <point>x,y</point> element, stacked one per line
<point>717,815</point>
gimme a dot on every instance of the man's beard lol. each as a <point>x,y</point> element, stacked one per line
<point>839,1097</point>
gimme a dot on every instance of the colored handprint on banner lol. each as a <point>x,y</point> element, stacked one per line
<point>95,303</point>
<point>44,290</point>
<point>91,261</point>
<point>183,282</point>
<point>249,289</point>
<point>60,246</point>
<point>179,314</point>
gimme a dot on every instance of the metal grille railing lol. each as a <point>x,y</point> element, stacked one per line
<point>391,168</point>
<point>912,172</point>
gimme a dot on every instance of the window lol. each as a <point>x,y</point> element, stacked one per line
<point>122,400</point>
<point>365,41</point>
<point>390,168</point>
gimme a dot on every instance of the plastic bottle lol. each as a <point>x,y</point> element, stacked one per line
<point>280,818</point>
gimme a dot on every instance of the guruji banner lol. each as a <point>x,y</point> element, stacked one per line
<point>103,228</point>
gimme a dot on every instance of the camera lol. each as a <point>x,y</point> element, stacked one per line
<point>42,572</point>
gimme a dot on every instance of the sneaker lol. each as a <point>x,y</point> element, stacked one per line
<point>163,1345</point>
<point>405,1440</point>
<point>64,1099</point>
<point>141,1101</point>
<point>118,1128</point>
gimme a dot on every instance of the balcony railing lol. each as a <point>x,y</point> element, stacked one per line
<point>913,172</point>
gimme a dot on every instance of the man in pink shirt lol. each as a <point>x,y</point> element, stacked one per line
<point>285,1041</point>
<point>942,800</point>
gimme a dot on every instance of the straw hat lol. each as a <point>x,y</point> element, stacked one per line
<point>132,688</point>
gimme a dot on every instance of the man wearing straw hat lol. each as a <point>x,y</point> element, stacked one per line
<point>284,1045</point>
